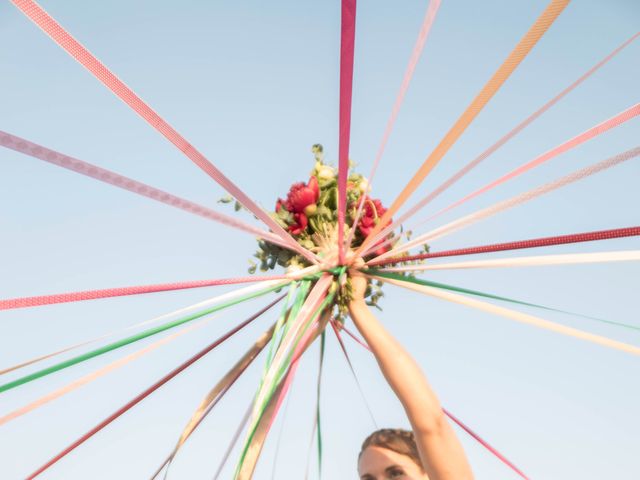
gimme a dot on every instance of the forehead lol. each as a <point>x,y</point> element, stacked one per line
<point>375,460</point>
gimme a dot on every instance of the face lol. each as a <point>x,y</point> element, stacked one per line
<point>378,463</point>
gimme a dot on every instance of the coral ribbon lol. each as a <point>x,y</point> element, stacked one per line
<point>347,41</point>
<point>52,28</point>
<point>526,44</point>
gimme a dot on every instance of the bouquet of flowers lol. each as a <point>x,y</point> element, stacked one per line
<point>309,212</point>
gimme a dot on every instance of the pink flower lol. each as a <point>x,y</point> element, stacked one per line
<point>300,224</point>
<point>301,196</point>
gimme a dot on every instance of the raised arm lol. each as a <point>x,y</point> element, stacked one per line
<point>442,455</point>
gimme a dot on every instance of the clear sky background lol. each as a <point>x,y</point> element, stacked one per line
<point>253,85</point>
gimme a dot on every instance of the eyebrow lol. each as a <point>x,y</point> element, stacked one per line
<point>392,467</point>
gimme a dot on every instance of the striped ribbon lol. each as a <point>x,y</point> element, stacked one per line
<point>520,244</point>
<point>347,46</point>
<point>40,152</point>
<point>52,28</point>
<point>512,202</point>
<point>526,44</point>
<point>101,372</point>
<point>144,394</point>
<point>427,23</point>
<point>517,316</point>
<point>541,260</point>
<point>502,141</point>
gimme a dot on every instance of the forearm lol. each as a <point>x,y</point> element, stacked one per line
<point>400,370</point>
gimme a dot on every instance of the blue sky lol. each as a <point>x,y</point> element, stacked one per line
<point>253,86</point>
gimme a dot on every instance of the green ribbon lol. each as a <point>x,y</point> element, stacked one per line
<point>444,286</point>
<point>126,341</point>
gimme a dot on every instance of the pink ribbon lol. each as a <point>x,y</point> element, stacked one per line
<point>52,28</point>
<point>34,150</point>
<point>23,302</point>
<point>502,141</point>
<point>347,40</point>
<point>429,18</point>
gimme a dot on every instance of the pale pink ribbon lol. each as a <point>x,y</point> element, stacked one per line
<point>34,150</point>
<point>515,315</point>
<point>532,261</point>
<point>97,374</point>
<point>512,202</point>
<point>52,28</point>
<point>427,22</point>
<point>497,145</point>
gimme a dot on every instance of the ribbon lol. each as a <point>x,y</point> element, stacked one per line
<point>593,132</point>
<point>526,44</point>
<point>34,150</point>
<point>519,244</point>
<point>444,286</point>
<point>427,22</point>
<point>148,391</point>
<point>37,301</point>
<point>458,422</point>
<point>502,141</point>
<point>517,200</point>
<point>52,28</point>
<point>217,392</point>
<point>541,260</point>
<point>97,374</point>
<point>251,452</point>
<point>128,340</point>
<point>517,316</point>
<point>347,41</point>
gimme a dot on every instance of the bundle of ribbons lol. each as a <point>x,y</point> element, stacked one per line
<point>315,235</point>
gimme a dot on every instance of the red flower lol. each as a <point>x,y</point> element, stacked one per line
<point>371,213</point>
<point>279,204</point>
<point>301,196</point>
<point>300,225</point>
<point>383,249</point>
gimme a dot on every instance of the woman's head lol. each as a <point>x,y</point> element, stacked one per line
<point>390,454</point>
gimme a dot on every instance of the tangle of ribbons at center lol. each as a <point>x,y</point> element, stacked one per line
<point>307,296</point>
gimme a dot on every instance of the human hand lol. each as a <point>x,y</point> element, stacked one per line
<point>358,282</point>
